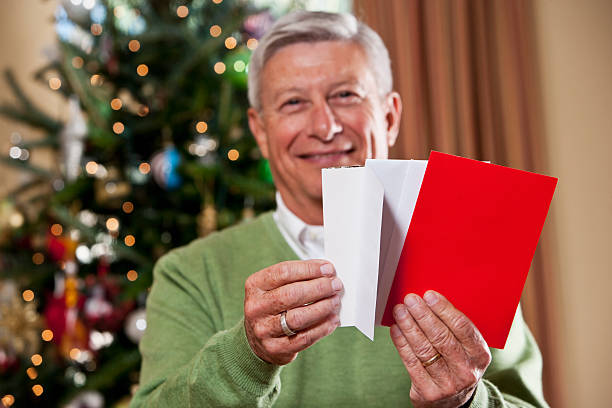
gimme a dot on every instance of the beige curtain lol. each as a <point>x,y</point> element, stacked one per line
<point>466,72</point>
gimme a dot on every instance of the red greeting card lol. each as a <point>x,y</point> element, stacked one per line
<point>472,237</point>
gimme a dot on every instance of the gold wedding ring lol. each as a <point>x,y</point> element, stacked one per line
<point>283,321</point>
<point>431,360</point>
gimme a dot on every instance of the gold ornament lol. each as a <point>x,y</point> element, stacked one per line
<point>20,324</point>
<point>207,220</point>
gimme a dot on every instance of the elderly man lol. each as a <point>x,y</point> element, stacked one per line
<point>321,96</point>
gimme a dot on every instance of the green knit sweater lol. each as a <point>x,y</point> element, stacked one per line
<point>195,352</point>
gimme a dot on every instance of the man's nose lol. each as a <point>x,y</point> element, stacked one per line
<point>323,122</point>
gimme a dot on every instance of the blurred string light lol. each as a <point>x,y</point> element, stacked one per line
<point>127,207</point>
<point>215,30</point>
<point>116,104</point>
<point>38,258</point>
<point>32,373</point>
<point>96,80</point>
<point>252,44</point>
<point>219,68</point>
<point>202,146</point>
<point>112,224</point>
<point>36,359</point>
<point>37,390</point>
<point>230,43</point>
<point>8,400</point>
<point>91,167</point>
<point>134,45</point>
<point>239,66</point>
<point>19,153</point>
<point>77,62</point>
<point>118,128</point>
<point>131,275</point>
<point>47,335</point>
<point>182,11</point>
<point>233,154</point>
<point>28,295</point>
<point>83,254</point>
<point>144,168</point>
<point>96,29</point>
<point>201,127</point>
<point>57,229</point>
<point>142,70</point>
<point>99,340</point>
<point>55,83</point>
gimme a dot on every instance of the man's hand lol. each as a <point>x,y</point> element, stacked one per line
<point>427,327</point>
<point>307,290</point>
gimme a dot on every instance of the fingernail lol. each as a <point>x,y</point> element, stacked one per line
<point>400,311</point>
<point>337,284</point>
<point>411,300</point>
<point>431,297</point>
<point>327,269</point>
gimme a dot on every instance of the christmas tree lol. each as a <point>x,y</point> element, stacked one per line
<point>156,152</point>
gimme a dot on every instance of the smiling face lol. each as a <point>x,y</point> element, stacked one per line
<point>320,108</point>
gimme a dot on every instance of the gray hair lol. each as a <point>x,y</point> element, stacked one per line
<point>314,26</point>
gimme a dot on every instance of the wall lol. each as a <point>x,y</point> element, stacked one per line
<point>26,33</point>
<point>573,39</point>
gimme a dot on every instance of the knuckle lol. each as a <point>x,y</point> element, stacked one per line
<point>468,379</point>
<point>288,296</point>
<point>272,347</point>
<point>431,395</point>
<point>423,348</point>
<point>249,283</point>
<point>410,359</point>
<point>485,358</point>
<point>250,310</point>
<point>461,322</point>
<point>283,272</point>
<point>260,331</point>
<point>442,337</point>
<point>323,286</point>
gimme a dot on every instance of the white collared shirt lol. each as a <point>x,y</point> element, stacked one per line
<point>306,240</point>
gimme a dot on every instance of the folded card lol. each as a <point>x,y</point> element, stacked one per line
<point>352,212</point>
<point>471,235</point>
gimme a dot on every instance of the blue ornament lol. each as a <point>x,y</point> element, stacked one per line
<point>164,166</point>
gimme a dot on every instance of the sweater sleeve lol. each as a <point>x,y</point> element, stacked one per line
<point>514,378</point>
<point>186,362</point>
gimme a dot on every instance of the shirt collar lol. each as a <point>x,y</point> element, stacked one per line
<point>305,239</point>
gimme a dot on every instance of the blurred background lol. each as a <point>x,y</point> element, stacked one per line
<point>123,134</point>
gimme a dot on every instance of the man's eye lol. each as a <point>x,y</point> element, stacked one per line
<point>292,102</point>
<point>346,97</point>
<point>345,94</point>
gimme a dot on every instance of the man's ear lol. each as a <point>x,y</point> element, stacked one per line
<point>393,116</point>
<point>258,130</point>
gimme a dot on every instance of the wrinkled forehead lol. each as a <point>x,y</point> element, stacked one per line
<point>311,64</point>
